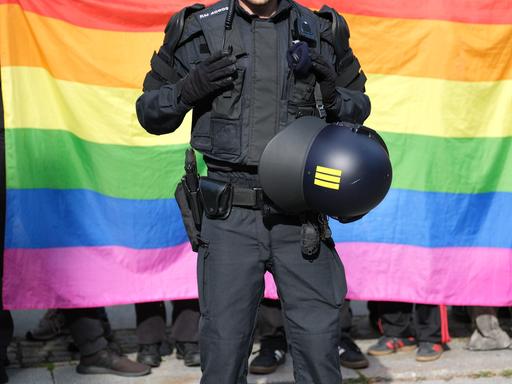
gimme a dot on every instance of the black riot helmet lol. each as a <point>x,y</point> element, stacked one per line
<point>342,170</point>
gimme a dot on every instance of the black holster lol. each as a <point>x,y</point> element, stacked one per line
<point>191,212</point>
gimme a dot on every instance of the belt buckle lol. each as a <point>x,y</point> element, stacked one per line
<point>321,111</point>
<point>258,197</point>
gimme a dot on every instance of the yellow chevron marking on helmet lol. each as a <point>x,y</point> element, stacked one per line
<point>326,184</point>
<point>328,177</point>
<point>323,176</point>
<point>329,171</point>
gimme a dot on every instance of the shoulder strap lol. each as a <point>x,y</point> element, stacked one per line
<point>162,70</point>
<point>340,31</point>
<point>319,102</point>
<point>176,25</point>
<point>348,68</point>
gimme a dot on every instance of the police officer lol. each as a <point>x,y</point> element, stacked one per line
<point>238,77</point>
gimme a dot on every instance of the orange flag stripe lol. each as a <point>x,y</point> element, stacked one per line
<point>422,48</point>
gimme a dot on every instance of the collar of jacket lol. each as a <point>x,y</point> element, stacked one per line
<point>283,10</point>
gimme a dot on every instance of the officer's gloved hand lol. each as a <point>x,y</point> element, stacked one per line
<point>209,77</point>
<point>326,77</point>
<point>299,60</point>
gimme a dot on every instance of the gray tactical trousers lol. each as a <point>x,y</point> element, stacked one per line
<point>231,266</point>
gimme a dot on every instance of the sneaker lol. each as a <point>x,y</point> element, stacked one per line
<point>52,325</point>
<point>189,353</point>
<point>350,354</point>
<point>429,351</point>
<point>149,354</point>
<point>387,345</point>
<point>267,361</point>
<point>109,362</point>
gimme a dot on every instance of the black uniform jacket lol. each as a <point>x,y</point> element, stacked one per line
<point>234,127</point>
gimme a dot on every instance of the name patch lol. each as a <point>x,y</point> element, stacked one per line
<point>214,12</point>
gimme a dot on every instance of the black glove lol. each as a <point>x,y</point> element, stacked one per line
<point>210,76</point>
<point>299,60</point>
<point>326,77</point>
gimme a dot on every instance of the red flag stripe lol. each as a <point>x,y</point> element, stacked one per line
<point>152,15</point>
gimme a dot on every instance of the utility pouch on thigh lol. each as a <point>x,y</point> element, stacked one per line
<point>217,197</point>
<point>309,240</point>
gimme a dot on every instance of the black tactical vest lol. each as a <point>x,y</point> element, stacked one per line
<point>224,129</point>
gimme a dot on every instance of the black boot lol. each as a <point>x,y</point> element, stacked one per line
<point>109,362</point>
<point>189,353</point>
<point>149,354</point>
<point>350,354</point>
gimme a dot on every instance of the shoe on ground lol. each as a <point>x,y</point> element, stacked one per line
<point>189,353</point>
<point>166,348</point>
<point>429,351</point>
<point>267,360</point>
<point>110,362</point>
<point>52,325</point>
<point>350,354</point>
<point>3,374</point>
<point>149,354</point>
<point>387,345</point>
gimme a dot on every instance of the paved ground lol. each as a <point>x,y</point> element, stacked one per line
<point>54,363</point>
<point>457,366</point>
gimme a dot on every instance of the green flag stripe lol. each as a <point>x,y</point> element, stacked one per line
<point>456,165</point>
<point>60,160</point>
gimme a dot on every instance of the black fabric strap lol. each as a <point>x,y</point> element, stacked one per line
<point>247,197</point>
<point>163,68</point>
<point>151,82</point>
<point>358,83</point>
<point>347,74</point>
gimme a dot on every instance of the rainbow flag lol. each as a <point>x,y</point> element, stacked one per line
<point>90,218</point>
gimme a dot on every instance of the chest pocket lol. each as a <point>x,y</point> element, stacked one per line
<point>226,117</point>
<point>228,105</point>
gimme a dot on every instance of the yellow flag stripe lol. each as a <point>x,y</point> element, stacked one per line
<point>329,171</point>
<point>326,184</point>
<point>322,176</point>
<point>434,107</point>
<point>105,115</point>
<point>426,107</point>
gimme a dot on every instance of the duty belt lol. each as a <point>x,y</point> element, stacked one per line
<point>248,197</point>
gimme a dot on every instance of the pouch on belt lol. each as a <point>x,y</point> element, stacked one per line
<point>217,197</point>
